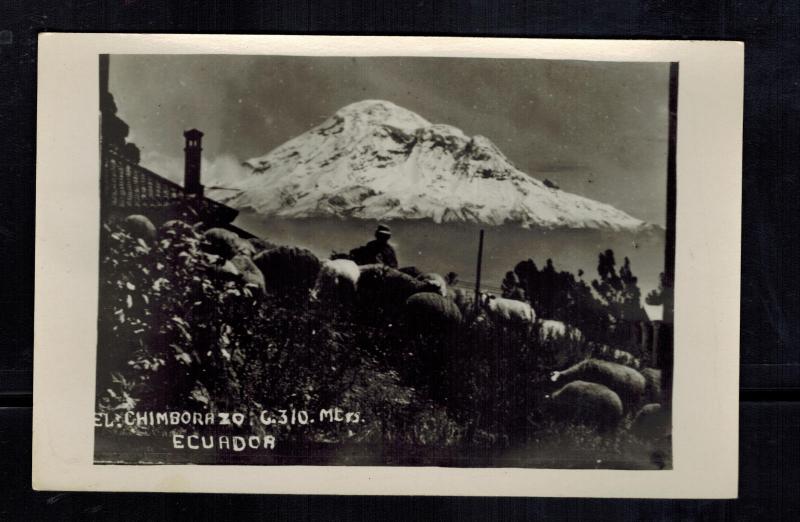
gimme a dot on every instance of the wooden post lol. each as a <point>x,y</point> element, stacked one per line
<point>478,272</point>
<point>665,348</point>
<point>655,356</point>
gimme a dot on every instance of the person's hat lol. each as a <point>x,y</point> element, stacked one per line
<point>383,230</point>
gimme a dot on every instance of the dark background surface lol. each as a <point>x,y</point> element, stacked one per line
<point>770,373</point>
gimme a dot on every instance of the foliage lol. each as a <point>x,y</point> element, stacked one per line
<point>661,295</point>
<point>166,319</point>
<point>175,333</point>
<point>605,312</point>
<point>621,296</point>
<point>558,295</point>
<point>618,290</point>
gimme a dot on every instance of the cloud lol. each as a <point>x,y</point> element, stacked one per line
<point>220,171</point>
<point>223,171</point>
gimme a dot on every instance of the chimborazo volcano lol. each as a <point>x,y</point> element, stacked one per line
<point>375,160</point>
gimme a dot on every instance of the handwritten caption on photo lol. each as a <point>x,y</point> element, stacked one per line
<point>235,442</point>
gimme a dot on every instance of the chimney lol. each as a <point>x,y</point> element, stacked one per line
<point>193,150</point>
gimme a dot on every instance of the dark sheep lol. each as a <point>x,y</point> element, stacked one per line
<point>587,403</point>
<point>259,245</point>
<point>139,226</point>
<point>411,270</point>
<point>340,255</point>
<point>428,277</point>
<point>428,310</point>
<point>651,423</point>
<point>628,383</point>
<point>382,287</point>
<point>288,269</point>
<point>251,275</point>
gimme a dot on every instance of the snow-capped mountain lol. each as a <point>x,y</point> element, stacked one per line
<point>375,160</point>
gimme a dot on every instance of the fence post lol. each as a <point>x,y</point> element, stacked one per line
<point>478,272</point>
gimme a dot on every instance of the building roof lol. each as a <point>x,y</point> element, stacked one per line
<point>128,186</point>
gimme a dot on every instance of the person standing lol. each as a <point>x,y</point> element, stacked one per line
<point>376,251</point>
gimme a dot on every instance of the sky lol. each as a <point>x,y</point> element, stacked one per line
<point>598,129</point>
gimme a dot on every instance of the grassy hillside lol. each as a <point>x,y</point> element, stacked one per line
<point>178,334</point>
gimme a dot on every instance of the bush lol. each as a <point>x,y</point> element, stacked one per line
<point>177,334</point>
<point>170,334</point>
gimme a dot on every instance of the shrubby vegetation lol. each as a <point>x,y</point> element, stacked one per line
<point>178,333</point>
<point>605,310</point>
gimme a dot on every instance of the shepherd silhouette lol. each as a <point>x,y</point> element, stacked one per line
<point>376,251</point>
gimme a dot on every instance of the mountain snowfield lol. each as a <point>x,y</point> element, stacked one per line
<point>375,160</point>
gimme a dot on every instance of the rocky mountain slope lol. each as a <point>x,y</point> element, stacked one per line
<point>375,160</point>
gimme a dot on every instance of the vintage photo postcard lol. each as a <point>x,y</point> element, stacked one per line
<point>386,265</point>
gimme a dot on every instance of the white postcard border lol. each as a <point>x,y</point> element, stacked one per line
<point>705,423</point>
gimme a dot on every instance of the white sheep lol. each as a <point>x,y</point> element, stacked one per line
<point>431,311</point>
<point>337,277</point>
<point>626,358</point>
<point>552,329</point>
<point>435,280</point>
<point>139,226</point>
<point>508,311</point>
<point>251,275</point>
<point>616,355</point>
<point>226,243</point>
<point>221,268</point>
<point>245,247</point>
<point>463,298</point>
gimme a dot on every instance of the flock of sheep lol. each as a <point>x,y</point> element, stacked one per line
<point>598,392</point>
<point>422,298</point>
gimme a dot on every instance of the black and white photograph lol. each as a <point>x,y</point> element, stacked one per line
<point>385,261</point>
<point>387,266</point>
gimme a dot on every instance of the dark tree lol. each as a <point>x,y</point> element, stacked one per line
<point>527,276</point>
<point>620,292</point>
<point>656,297</point>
